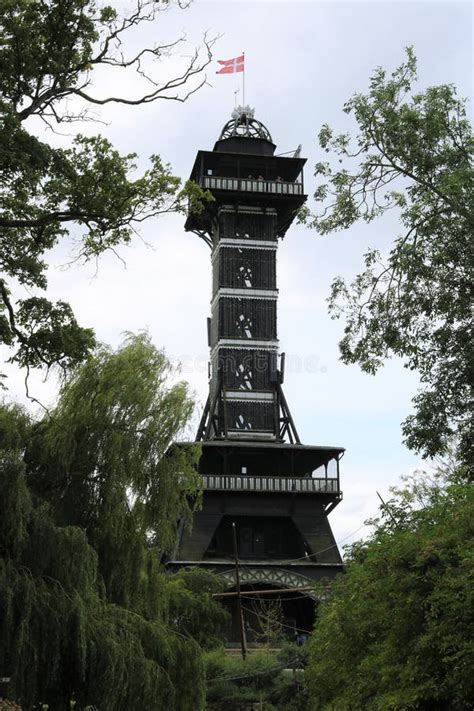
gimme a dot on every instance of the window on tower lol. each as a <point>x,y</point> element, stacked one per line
<point>253,318</point>
<point>269,537</point>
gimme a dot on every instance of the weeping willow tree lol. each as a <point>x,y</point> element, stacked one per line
<point>103,460</point>
<point>92,495</point>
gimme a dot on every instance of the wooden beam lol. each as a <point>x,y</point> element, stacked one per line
<point>262,592</point>
<point>243,638</point>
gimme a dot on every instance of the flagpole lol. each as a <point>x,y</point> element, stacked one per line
<point>243,82</point>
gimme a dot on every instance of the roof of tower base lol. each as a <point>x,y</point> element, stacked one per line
<point>279,458</point>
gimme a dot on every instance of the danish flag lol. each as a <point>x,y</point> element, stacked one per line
<point>230,66</point>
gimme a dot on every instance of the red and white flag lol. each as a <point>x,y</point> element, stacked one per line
<point>230,66</point>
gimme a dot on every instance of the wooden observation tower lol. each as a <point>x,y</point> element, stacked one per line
<point>256,473</point>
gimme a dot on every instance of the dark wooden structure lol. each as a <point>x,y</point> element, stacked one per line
<point>256,473</point>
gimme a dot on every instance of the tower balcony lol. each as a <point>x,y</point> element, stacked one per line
<point>251,185</point>
<point>272,484</point>
<point>267,181</point>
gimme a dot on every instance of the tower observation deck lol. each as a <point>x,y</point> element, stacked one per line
<point>256,473</point>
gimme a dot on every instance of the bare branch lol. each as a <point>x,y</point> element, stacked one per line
<point>192,70</point>
<point>74,80</point>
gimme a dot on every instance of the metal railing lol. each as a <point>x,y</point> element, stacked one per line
<point>271,484</point>
<point>254,185</point>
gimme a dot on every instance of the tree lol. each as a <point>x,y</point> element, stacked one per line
<point>397,630</point>
<point>412,154</point>
<point>49,53</point>
<point>195,613</point>
<point>102,461</point>
<point>268,616</point>
<point>91,497</point>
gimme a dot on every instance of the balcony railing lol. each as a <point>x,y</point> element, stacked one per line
<point>271,484</point>
<point>254,185</point>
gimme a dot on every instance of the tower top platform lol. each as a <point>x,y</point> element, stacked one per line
<point>242,169</point>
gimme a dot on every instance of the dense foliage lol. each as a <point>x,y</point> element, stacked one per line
<point>413,154</point>
<point>397,633</point>
<point>91,497</point>
<point>273,679</point>
<point>195,613</point>
<point>87,193</point>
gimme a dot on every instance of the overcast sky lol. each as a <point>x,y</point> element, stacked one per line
<point>303,60</point>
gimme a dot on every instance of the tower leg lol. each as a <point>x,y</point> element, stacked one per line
<point>288,424</point>
<point>202,423</point>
